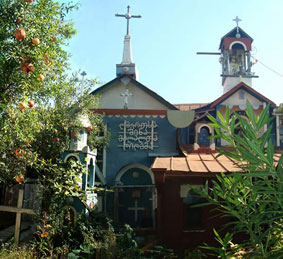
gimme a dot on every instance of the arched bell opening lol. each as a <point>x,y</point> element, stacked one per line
<point>237,58</point>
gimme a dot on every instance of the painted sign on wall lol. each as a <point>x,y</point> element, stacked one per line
<point>138,135</point>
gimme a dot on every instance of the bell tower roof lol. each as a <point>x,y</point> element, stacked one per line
<point>235,34</point>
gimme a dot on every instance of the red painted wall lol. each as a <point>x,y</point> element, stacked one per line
<point>171,216</point>
<point>246,41</point>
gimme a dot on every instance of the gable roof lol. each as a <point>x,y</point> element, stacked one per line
<point>104,88</point>
<point>232,34</point>
<point>235,89</point>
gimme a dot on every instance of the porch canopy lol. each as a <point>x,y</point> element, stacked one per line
<point>198,164</point>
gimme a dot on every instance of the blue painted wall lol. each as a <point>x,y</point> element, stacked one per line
<point>117,158</point>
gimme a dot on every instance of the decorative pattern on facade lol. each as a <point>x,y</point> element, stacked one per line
<point>138,135</point>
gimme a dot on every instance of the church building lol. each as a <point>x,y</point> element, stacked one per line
<point>158,148</point>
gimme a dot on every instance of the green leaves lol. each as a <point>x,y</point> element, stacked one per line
<point>253,199</point>
<point>45,20</point>
<point>34,68</point>
<point>41,132</point>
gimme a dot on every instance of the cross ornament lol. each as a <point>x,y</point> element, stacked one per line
<point>19,210</point>
<point>237,20</point>
<point>126,95</point>
<point>136,209</point>
<point>128,16</point>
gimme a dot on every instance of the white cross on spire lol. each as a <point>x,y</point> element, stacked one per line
<point>128,16</point>
<point>127,52</point>
<point>237,20</point>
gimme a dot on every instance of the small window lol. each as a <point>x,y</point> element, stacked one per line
<point>100,157</point>
<point>242,95</point>
<point>193,215</point>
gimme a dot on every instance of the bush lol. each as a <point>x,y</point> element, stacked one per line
<point>253,199</point>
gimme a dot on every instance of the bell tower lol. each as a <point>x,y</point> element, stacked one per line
<point>235,48</point>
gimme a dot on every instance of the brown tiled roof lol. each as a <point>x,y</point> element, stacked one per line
<point>196,163</point>
<point>199,163</point>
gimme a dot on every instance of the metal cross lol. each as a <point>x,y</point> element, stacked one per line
<point>128,16</point>
<point>126,95</point>
<point>237,20</point>
<point>83,74</point>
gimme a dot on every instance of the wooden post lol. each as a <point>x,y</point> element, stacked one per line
<point>116,203</point>
<point>19,210</point>
<point>19,216</point>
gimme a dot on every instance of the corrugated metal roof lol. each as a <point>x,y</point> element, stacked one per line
<point>199,163</point>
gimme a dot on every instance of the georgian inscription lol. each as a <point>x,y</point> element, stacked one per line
<point>138,135</point>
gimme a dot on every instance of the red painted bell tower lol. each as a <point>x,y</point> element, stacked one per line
<point>235,58</point>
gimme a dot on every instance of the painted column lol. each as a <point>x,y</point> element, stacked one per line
<point>265,125</point>
<point>226,54</point>
<point>154,206</point>
<point>248,54</point>
<point>277,131</point>
<point>159,176</point>
<point>159,212</point>
<point>116,200</point>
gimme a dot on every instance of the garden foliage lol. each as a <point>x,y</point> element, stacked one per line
<point>252,199</point>
<point>39,111</point>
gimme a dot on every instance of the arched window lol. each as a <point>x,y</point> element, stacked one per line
<point>71,158</point>
<point>90,174</point>
<point>203,136</point>
<point>135,193</point>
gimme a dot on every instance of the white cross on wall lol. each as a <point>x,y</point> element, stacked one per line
<point>136,209</point>
<point>126,95</point>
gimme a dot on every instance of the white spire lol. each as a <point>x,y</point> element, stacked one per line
<point>127,66</point>
<point>127,51</point>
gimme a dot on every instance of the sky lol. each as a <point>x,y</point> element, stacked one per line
<point>165,41</point>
